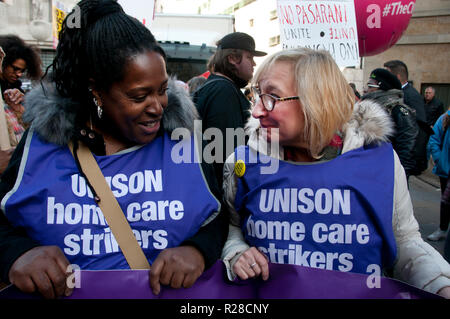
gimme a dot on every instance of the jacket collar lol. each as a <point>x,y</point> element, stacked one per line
<point>54,116</point>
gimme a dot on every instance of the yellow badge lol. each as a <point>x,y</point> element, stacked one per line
<point>239,168</point>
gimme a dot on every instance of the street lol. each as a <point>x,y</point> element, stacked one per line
<point>425,195</point>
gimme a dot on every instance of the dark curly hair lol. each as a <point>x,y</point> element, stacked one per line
<point>97,49</point>
<point>15,48</point>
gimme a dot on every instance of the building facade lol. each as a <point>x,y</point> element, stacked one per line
<point>424,47</point>
<point>32,21</point>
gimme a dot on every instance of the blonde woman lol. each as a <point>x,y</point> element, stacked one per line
<point>339,199</point>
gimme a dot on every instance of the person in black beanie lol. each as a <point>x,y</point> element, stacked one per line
<point>384,88</point>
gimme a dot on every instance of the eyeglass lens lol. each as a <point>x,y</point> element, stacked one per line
<point>267,101</point>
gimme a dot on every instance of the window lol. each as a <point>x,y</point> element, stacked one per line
<point>41,10</point>
<point>237,6</point>
<point>273,15</point>
<point>442,92</point>
<point>273,41</point>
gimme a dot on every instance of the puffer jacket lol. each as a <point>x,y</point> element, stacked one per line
<point>417,263</point>
<point>406,129</point>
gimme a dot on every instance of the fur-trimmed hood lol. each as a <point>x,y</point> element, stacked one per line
<point>369,123</point>
<point>54,116</point>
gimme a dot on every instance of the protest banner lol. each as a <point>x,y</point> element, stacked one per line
<point>285,282</point>
<point>320,25</point>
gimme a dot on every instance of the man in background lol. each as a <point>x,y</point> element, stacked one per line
<point>413,99</point>
<point>384,88</point>
<point>433,106</point>
<point>220,101</point>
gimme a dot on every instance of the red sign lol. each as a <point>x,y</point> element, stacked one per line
<point>381,23</point>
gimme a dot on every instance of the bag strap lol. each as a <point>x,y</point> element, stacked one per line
<point>111,209</point>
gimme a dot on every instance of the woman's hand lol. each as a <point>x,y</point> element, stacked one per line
<point>250,264</point>
<point>176,267</point>
<point>445,292</point>
<point>42,269</point>
<point>14,98</point>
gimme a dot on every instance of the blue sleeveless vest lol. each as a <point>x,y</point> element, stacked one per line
<point>334,215</point>
<point>55,206</point>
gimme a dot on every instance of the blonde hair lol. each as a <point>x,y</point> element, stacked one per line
<point>326,98</point>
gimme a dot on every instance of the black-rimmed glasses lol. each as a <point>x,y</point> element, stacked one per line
<point>18,70</point>
<point>268,100</point>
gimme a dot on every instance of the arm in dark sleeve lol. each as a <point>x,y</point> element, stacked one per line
<point>405,137</point>
<point>436,111</point>
<point>211,237</point>
<point>441,108</point>
<point>13,241</point>
<point>413,99</point>
<point>222,110</point>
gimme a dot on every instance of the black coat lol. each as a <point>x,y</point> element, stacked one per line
<point>221,104</point>
<point>434,109</point>
<point>413,99</point>
<point>404,138</point>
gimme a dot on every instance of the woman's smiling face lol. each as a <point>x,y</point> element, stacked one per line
<point>287,116</point>
<point>135,104</point>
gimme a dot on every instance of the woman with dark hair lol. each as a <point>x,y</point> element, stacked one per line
<point>110,93</point>
<point>20,58</point>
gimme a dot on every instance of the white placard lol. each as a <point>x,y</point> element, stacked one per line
<point>143,10</point>
<point>320,25</point>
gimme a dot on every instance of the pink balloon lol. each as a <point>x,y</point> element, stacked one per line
<point>381,23</point>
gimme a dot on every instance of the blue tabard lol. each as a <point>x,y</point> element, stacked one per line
<point>334,215</point>
<point>54,205</point>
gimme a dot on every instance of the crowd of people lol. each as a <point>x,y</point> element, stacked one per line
<point>339,199</point>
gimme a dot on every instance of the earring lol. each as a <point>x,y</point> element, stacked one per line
<point>99,109</point>
<point>99,112</point>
